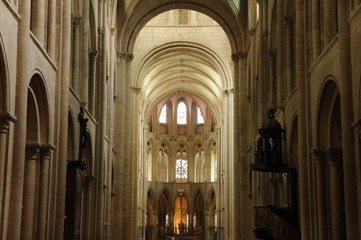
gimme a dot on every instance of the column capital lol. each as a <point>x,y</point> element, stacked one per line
<point>93,54</point>
<point>238,55</point>
<point>319,156</point>
<point>127,56</point>
<point>46,151</point>
<point>77,21</point>
<point>259,1</point>
<point>136,90</point>
<point>272,53</point>
<point>5,120</point>
<point>32,151</point>
<point>4,125</point>
<point>288,21</point>
<point>334,155</point>
<point>113,31</point>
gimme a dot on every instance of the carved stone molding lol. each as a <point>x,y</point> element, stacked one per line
<point>77,21</point>
<point>32,151</point>
<point>4,126</point>
<point>272,53</point>
<point>136,90</point>
<point>127,56</point>
<point>46,152</point>
<point>319,156</point>
<point>239,55</point>
<point>334,155</point>
<point>288,21</point>
<point>5,119</point>
<point>93,54</point>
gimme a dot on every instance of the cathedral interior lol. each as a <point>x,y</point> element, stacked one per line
<point>180,119</point>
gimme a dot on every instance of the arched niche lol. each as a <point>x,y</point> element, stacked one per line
<point>164,218</point>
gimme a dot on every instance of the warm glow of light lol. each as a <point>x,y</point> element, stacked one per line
<point>180,216</point>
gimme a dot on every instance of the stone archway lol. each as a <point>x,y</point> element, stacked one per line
<point>37,161</point>
<point>329,166</point>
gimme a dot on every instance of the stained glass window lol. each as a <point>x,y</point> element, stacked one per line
<point>181,168</point>
<point>200,118</point>
<point>182,113</point>
<point>163,114</point>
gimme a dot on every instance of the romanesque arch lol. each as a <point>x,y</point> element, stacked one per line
<point>37,160</point>
<point>328,163</point>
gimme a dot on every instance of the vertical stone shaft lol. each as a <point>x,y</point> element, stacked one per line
<point>75,79</point>
<point>316,40</point>
<point>305,215</point>
<point>280,45</point>
<point>348,147</point>
<point>289,57</point>
<point>337,204</point>
<point>22,78</point>
<point>63,120</point>
<point>4,130</point>
<point>45,157</point>
<point>319,156</point>
<point>52,29</point>
<point>28,222</point>
<point>329,22</point>
<point>38,20</point>
<point>85,54</point>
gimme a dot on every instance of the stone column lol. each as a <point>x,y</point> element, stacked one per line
<point>348,147</point>
<point>262,62</point>
<point>289,54</point>
<point>357,136</point>
<point>85,54</point>
<point>280,44</point>
<point>44,174</point>
<point>52,33</point>
<point>22,79</point>
<point>63,97</point>
<point>38,20</point>
<point>338,230</point>
<point>329,23</point>
<point>319,157</point>
<point>316,40</point>
<point>4,131</point>
<point>305,216</point>
<point>75,78</point>
<point>92,80</point>
<point>30,189</point>
<point>272,85</point>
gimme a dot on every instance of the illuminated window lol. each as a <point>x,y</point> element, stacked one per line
<point>163,114</point>
<point>181,168</point>
<point>182,113</point>
<point>200,118</point>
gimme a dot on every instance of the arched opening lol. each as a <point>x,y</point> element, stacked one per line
<point>166,68</point>
<point>164,214</point>
<point>329,166</point>
<point>79,181</point>
<point>149,221</point>
<point>181,215</point>
<point>37,161</point>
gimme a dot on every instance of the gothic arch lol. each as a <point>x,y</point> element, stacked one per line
<point>209,67</point>
<point>38,131</point>
<point>129,26</point>
<point>329,93</point>
<point>4,80</point>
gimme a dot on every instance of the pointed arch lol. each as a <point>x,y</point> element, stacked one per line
<point>4,80</point>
